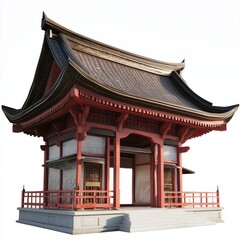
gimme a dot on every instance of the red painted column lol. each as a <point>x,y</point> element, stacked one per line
<point>117,171</point>
<point>160,173</point>
<point>78,164</point>
<point>179,163</point>
<point>133,180</point>
<point>107,168</point>
<point>45,169</point>
<point>153,176</point>
<point>61,171</point>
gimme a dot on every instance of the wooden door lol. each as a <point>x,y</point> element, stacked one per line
<point>168,184</point>
<point>92,181</point>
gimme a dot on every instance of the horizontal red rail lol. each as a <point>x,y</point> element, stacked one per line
<point>67,199</point>
<point>192,199</point>
<point>80,199</point>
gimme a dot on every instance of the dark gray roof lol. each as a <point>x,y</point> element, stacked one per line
<point>112,72</point>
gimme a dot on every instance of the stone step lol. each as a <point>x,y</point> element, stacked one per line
<point>158,220</point>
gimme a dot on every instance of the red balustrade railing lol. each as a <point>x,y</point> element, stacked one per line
<point>67,199</point>
<point>80,199</point>
<point>192,199</point>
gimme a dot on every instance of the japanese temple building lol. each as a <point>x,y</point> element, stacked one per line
<point>100,109</point>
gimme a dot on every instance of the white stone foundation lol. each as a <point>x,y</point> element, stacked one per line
<point>128,219</point>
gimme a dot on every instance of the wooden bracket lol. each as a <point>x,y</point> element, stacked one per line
<point>183,149</point>
<point>43,147</point>
<point>121,120</point>
<point>79,116</point>
<point>84,114</point>
<point>58,126</point>
<point>80,136</point>
<point>182,133</point>
<point>165,128</point>
<point>75,114</point>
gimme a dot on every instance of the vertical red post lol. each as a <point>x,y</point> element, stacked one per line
<point>107,169</point>
<point>78,171</point>
<point>133,181</point>
<point>78,164</point>
<point>153,180</point>
<point>45,169</point>
<point>23,195</point>
<point>179,163</point>
<point>218,197</point>
<point>60,145</point>
<point>160,171</point>
<point>117,171</point>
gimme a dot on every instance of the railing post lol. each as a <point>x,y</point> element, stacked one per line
<point>74,200</point>
<point>23,194</point>
<point>206,199</point>
<point>218,197</point>
<point>201,199</point>
<point>193,199</point>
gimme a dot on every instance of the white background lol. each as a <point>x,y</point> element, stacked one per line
<point>205,33</point>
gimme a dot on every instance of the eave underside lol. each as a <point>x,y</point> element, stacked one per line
<point>77,99</point>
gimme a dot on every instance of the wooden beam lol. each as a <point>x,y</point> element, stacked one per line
<point>165,128</point>
<point>58,126</point>
<point>74,111</point>
<point>182,133</point>
<point>121,120</point>
<point>84,114</point>
<point>189,134</point>
<point>40,132</point>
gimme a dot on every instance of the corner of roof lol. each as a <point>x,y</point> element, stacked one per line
<point>44,20</point>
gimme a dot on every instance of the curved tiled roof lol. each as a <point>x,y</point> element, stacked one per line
<point>112,72</point>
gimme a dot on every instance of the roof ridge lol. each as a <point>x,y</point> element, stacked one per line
<point>114,54</point>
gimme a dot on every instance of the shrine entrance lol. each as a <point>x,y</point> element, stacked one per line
<point>135,164</point>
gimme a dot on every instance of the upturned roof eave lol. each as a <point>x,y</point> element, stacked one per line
<point>212,112</point>
<point>61,89</point>
<point>224,113</point>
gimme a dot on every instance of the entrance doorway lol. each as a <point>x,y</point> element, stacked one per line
<point>135,177</point>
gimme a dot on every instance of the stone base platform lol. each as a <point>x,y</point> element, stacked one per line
<point>128,219</point>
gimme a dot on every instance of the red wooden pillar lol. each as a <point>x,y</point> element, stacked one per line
<point>79,163</point>
<point>153,176</point>
<point>133,180</point>
<point>179,163</point>
<point>117,171</point>
<point>107,168</point>
<point>160,173</point>
<point>59,144</point>
<point>45,169</point>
